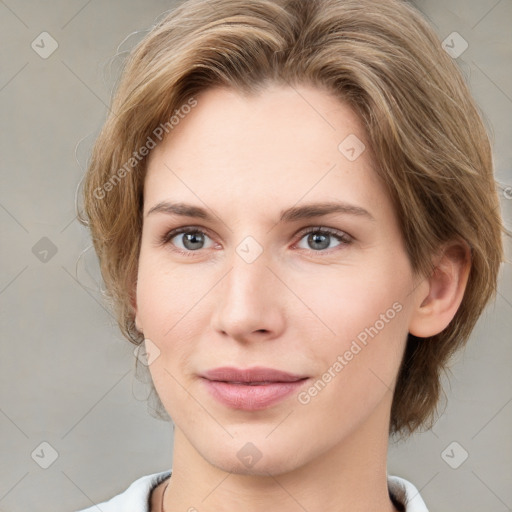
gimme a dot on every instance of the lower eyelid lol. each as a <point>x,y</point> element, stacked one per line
<point>171,236</point>
<point>342,237</point>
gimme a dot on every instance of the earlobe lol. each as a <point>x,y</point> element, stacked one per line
<point>137,324</point>
<point>133,302</point>
<point>438,302</point>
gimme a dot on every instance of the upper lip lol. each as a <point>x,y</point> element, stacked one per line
<point>254,374</point>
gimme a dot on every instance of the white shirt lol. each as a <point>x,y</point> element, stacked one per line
<point>136,497</point>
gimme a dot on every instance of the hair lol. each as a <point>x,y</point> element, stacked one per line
<point>429,142</point>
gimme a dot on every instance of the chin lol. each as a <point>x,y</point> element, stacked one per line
<point>256,455</point>
<point>275,465</point>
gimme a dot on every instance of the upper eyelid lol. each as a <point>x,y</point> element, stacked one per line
<point>192,228</point>
<point>172,233</point>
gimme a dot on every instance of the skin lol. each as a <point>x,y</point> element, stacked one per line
<point>296,307</point>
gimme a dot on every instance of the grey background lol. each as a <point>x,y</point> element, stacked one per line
<point>66,374</point>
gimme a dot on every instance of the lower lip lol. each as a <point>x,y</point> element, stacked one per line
<point>251,398</point>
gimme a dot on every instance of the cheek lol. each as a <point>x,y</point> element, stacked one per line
<point>165,294</point>
<point>357,368</point>
<point>349,301</point>
<point>168,305</point>
<point>364,313</point>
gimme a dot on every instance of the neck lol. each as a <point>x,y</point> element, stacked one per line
<point>352,476</point>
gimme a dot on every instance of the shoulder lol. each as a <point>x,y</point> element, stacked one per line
<point>405,493</point>
<point>135,498</point>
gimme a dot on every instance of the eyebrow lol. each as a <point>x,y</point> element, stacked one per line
<point>294,213</point>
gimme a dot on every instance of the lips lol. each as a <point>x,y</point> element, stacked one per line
<point>256,375</point>
<point>252,388</point>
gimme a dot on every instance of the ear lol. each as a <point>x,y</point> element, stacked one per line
<point>441,294</point>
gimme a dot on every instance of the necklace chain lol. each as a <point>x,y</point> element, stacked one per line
<point>163,496</point>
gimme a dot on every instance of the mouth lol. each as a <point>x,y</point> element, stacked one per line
<point>255,375</point>
<point>252,388</point>
<point>251,383</point>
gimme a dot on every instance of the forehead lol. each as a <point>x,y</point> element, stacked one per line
<point>284,143</point>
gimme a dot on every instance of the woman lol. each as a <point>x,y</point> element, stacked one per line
<point>294,209</point>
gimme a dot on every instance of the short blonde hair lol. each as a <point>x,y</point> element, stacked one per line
<point>383,59</point>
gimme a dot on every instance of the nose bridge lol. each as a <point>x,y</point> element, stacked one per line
<point>246,275</point>
<point>247,302</point>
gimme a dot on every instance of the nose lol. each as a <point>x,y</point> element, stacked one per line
<point>250,302</point>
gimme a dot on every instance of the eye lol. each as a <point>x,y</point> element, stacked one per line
<point>319,239</point>
<point>187,239</point>
<point>190,239</point>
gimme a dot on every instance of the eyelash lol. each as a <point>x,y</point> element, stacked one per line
<point>344,238</point>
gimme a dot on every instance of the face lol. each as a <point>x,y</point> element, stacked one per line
<point>273,246</point>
